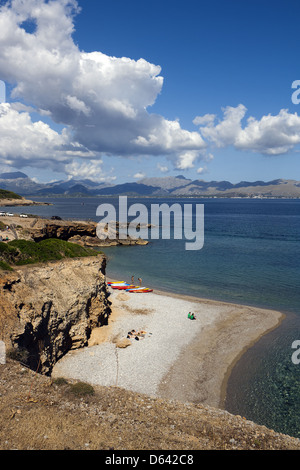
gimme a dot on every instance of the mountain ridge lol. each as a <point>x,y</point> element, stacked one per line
<point>168,186</point>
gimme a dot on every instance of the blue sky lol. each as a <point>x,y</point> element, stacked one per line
<point>213,56</point>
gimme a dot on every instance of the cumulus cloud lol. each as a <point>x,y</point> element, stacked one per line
<point>92,170</point>
<point>103,100</point>
<point>23,142</point>
<point>186,161</point>
<point>271,135</point>
<point>102,103</point>
<point>225,132</point>
<point>207,119</point>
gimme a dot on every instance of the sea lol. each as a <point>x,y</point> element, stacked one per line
<point>250,256</point>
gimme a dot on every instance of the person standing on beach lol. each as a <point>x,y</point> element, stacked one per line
<point>132,279</point>
<point>140,280</point>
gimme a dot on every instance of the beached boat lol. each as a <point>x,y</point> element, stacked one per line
<point>113,283</point>
<point>139,289</point>
<point>123,287</point>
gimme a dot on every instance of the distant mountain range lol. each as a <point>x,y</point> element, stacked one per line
<point>177,186</point>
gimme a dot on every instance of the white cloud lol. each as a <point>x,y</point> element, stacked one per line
<point>139,175</point>
<point>88,169</point>
<point>186,160</point>
<point>103,103</point>
<point>208,157</point>
<point>103,100</point>
<point>20,107</point>
<point>162,168</point>
<point>23,142</point>
<point>207,119</point>
<point>271,135</point>
<point>202,170</point>
<point>225,132</point>
<point>168,137</point>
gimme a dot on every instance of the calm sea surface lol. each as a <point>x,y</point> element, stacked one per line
<point>251,256</point>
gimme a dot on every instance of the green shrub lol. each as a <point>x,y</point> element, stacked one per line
<point>81,389</point>
<point>9,195</point>
<point>21,252</point>
<point>5,266</point>
<point>5,248</point>
<point>60,381</point>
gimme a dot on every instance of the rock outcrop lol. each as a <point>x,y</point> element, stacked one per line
<point>83,233</point>
<point>46,310</point>
<point>64,231</point>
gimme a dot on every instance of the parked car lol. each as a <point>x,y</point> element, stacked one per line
<point>23,215</point>
<point>2,213</point>
<point>9,214</point>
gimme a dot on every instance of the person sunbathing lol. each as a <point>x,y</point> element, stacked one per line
<point>131,334</point>
<point>191,316</point>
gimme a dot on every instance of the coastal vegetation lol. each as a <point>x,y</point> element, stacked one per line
<point>22,252</point>
<point>80,389</point>
<point>9,195</point>
<point>5,266</point>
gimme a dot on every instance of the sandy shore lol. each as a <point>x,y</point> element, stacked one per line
<point>177,358</point>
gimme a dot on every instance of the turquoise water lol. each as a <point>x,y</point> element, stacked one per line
<point>250,256</point>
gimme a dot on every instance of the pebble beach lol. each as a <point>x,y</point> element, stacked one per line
<point>150,346</point>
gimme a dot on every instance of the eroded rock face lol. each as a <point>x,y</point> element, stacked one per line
<point>84,234</point>
<point>47,310</point>
<point>63,231</point>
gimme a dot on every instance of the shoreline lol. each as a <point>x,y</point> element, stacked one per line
<point>248,344</point>
<point>181,359</point>
<point>209,385</point>
<point>22,202</point>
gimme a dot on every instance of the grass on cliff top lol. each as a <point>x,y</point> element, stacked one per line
<point>5,266</point>
<point>8,195</point>
<point>21,252</point>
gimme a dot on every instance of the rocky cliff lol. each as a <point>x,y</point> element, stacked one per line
<point>46,310</point>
